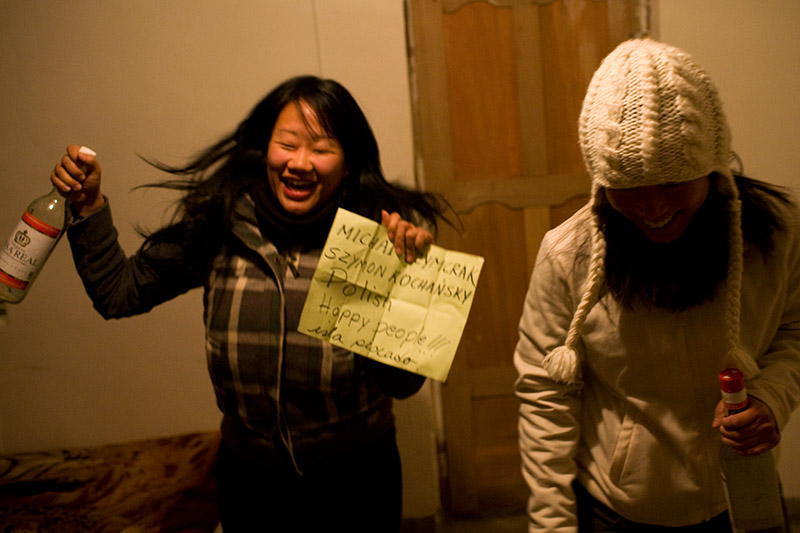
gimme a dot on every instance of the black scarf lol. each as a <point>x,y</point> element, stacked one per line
<point>287,230</point>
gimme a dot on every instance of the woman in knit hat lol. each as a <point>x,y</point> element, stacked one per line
<point>675,269</point>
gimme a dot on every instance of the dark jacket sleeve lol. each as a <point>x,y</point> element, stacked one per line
<point>121,286</point>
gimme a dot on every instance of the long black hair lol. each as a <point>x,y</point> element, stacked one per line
<point>219,175</point>
<point>686,272</point>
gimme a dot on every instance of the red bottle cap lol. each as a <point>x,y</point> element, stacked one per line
<point>731,380</point>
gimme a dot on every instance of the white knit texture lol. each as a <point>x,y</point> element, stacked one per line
<point>652,116</point>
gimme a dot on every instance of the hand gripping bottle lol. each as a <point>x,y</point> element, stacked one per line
<point>751,482</point>
<point>31,243</point>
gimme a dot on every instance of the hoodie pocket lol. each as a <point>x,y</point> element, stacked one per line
<point>619,459</point>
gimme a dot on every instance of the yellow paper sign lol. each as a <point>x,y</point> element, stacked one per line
<point>366,299</point>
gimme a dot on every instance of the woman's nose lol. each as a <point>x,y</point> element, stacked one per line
<point>301,160</point>
<point>651,202</point>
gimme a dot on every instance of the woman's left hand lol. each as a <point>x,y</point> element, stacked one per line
<point>751,432</point>
<point>409,240</point>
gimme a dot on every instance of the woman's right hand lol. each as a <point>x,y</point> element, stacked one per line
<point>409,240</point>
<point>751,432</point>
<point>77,177</point>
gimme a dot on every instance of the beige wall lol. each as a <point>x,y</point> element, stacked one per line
<point>163,79</point>
<point>750,49</point>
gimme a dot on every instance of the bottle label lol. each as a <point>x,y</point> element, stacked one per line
<point>40,226</point>
<point>26,250</point>
<point>735,400</point>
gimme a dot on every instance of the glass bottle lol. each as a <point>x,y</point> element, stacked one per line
<point>30,244</point>
<point>751,482</point>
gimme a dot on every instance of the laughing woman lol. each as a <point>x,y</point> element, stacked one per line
<point>308,437</point>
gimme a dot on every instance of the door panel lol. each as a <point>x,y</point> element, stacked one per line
<point>498,87</point>
<point>479,45</point>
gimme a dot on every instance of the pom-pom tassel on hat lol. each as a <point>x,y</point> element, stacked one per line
<point>746,364</point>
<point>562,364</point>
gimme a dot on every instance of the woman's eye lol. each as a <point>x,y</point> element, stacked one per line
<point>322,146</point>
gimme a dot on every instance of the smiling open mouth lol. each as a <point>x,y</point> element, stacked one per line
<point>656,224</point>
<point>298,185</point>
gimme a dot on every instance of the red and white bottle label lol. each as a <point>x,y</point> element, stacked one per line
<point>735,401</point>
<point>26,250</point>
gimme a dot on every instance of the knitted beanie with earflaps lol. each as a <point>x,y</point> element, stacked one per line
<point>652,116</point>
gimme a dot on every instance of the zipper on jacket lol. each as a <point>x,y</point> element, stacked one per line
<point>283,426</point>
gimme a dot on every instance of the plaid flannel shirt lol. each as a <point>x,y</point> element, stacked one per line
<point>287,399</point>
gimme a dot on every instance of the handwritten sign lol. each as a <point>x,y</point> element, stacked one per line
<point>366,299</point>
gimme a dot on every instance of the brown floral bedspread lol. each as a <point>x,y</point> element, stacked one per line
<point>163,484</point>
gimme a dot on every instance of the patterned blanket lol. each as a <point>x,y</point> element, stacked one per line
<point>153,485</point>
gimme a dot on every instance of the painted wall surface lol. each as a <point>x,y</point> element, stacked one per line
<point>750,49</point>
<point>163,80</point>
